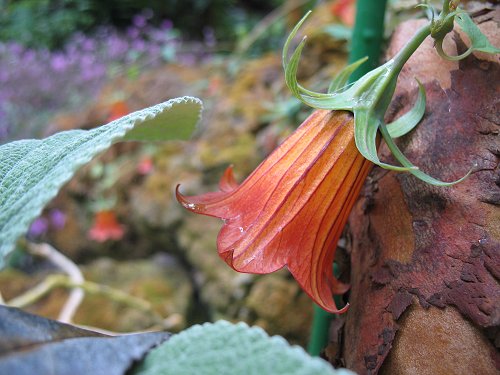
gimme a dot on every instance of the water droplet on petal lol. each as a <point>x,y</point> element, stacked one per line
<point>195,207</point>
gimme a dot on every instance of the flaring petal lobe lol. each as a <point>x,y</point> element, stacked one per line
<point>292,209</point>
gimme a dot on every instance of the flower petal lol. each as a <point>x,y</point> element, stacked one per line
<point>227,182</point>
<point>291,210</point>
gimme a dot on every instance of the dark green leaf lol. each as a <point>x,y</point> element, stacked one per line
<point>34,345</point>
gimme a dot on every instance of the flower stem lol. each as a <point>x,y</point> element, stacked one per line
<point>411,46</point>
<point>444,55</point>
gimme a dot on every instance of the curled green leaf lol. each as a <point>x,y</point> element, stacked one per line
<point>338,84</point>
<point>284,56</point>
<point>365,136</point>
<point>410,119</point>
<point>431,11</point>
<point>291,70</point>
<point>411,168</point>
<point>478,41</point>
<point>311,98</point>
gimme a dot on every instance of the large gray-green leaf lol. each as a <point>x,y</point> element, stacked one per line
<point>32,171</point>
<point>30,344</point>
<point>224,348</point>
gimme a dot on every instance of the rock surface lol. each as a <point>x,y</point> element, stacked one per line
<point>425,264</point>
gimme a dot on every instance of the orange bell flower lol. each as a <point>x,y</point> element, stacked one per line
<point>106,227</point>
<point>291,210</point>
<point>345,10</point>
<point>118,109</point>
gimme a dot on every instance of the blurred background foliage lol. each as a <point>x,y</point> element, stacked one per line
<point>57,54</point>
<point>49,23</point>
<point>78,64</point>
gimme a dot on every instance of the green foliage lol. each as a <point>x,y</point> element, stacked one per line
<point>224,348</point>
<point>339,83</point>
<point>338,31</point>
<point>368,99</point>
<point>410,119</point>
<point>478,40</point>
<point>26,341</point>
<point>44,22</point>
<point>49,23</point>
<point>444,25</point>
<point>32,171</point>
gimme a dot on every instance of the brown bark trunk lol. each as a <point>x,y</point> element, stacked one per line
<point>425,297</point>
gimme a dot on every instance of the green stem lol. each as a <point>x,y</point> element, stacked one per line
<point>409,49</point>
<point>319,331</point>
<point>388,86</point>
<point>367,35</point>
<point>444,55</point>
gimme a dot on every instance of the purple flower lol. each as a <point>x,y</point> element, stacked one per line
<point>35,83</point>
<point>38,227</point>
<point>209,36</point>
<point>57,218</point>
<point>166,25</point>
<point>133,32</point>
<point>139,21</point>
<point>58,62</point>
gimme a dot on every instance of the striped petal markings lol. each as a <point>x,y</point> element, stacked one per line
<point>292,209</point>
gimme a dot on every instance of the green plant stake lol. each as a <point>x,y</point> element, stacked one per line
<point>367,35</point>
<point>321,324</point>
<point>366,42</point>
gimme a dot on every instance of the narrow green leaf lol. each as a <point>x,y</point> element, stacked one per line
<point>284,56</point>
<point>411,118</point>
<point>411,168</point>
<point>365,135</point>
<point>32,171</point>
<point>340,81</point>
<point>291,70</point>
<point>223,348</point>
<point>430,11</point>
<point>311,98</point>
<point>337,102</point>
<point>479,42</point>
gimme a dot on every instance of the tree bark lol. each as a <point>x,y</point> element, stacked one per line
<point>425,260</point>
